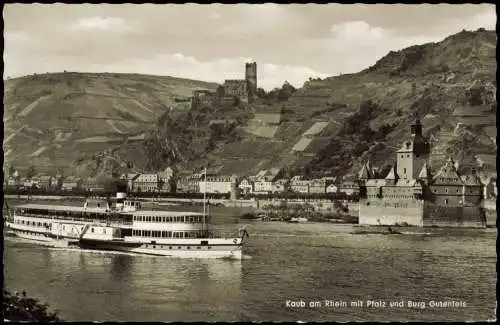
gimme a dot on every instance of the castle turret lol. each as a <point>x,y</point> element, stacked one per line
<point>364,174</point>
<point>413,154</point>
<point>251,78</point>
<point>424,174</point>
<point>370,168</point>
<point>472,193</point>
<point>391,177</point>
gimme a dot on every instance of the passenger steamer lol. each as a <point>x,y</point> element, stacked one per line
<point>126,228</point>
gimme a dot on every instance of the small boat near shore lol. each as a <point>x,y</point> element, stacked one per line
<point>297,220</point>
<point>376,230</point>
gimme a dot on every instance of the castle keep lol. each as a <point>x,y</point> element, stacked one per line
<point>243,89</point>
<point>410,195</point>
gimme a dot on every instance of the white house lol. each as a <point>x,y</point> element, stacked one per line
<point>262,186</point>
<point>246,186</point>
<point>300,186</point>
<point>332,188</point>
<point>217,184</point>
<point>145,182</point>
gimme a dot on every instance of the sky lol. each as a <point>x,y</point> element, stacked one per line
<point>212,42</point>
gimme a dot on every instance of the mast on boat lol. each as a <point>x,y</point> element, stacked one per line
<point>204,197</point>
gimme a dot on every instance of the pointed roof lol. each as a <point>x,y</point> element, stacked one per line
<point>424,172</point>
<point>392,174</point>
<point>364,172</point>
<point>369,165</point>
<point>447,175</point>
<point>472,179</point>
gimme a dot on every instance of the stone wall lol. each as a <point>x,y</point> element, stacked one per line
<point>436,215</point>
<point>396,212</point>
<point>446,194</point>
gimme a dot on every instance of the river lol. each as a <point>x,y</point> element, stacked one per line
<point>311,262</point>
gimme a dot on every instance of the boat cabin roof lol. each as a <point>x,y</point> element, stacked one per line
<point>162,213</point>
<point>102,210</point>
<point>61,208</point>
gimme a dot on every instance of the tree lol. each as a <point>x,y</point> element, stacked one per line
<point>16,308</point>
<point>261,93</point>
<point>286,91</point>
<point>161,184</point>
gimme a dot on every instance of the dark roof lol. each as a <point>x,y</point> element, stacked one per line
<point>472,180</point>
<point>447,175</point>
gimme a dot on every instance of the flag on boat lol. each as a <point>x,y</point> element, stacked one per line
<point>243,232</point>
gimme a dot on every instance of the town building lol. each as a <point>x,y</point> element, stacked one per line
<point>318,186</point>
<point>91,184</point>
<point>265,182</point>
<point>281,186</point>
<point>299,185</point>
<point>129,179</point>
<point>12,181</point>
<point>332,188</point>
<point>217,184</point>
<point>167,183</point>
<point>30,182</point>
<point>146,183</point>
<point>263,186</point>
<point>46,182</point>
<point>189,183</point>
<point>349,187</point>
<point>71,183</point>
<point>246,186</point>
<point>410,195</point>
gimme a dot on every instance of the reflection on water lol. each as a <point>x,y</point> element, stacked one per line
<point>287,261</point>
<point>87,285</point>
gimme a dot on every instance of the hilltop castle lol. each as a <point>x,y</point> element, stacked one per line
<point>244,90</point>
<point>410,195</point>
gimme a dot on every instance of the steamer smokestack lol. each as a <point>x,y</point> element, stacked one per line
<point>121,196</point>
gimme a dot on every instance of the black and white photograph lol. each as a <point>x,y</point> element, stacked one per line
<point>249,162</point>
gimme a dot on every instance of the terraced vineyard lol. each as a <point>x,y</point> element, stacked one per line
<point>450,86</point>
<point>82,113</point>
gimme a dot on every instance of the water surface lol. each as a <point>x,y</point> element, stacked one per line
<point>308,262</point>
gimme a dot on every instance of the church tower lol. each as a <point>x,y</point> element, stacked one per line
<point>413,154</point>
<point>251,78</point>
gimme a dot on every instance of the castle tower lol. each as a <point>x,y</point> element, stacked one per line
<point>251,78</point>
<point>416,128</point>
<point>364,174</point>
<point>413,155</point>
<point>391,177</point>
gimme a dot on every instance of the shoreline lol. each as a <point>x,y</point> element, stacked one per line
<point>244,205</point>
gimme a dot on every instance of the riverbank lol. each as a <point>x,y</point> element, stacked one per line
<point>320,205</point>
<point>20,308</point>
<point>324,211</point>
<point>300,217</point>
